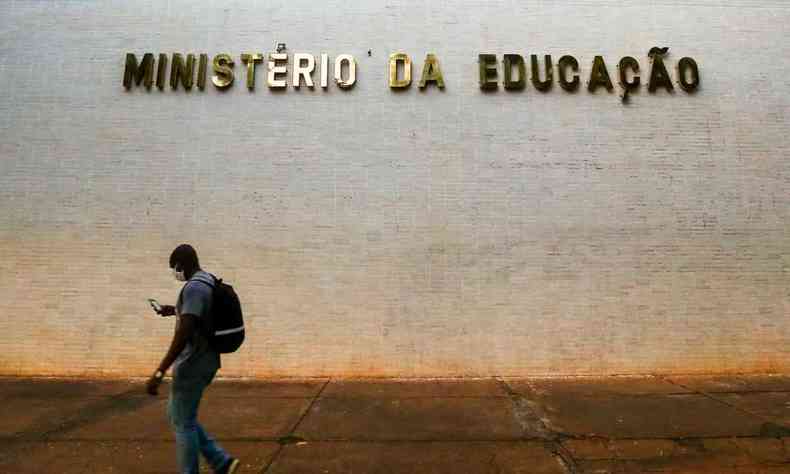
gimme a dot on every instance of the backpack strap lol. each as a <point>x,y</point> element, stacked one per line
<point>202,324</point>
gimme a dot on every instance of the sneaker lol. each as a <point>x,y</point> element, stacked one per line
<point>231,467</point>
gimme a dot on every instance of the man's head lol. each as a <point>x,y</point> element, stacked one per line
<point>184,262</point>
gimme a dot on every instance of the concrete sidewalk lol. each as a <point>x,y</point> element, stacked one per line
<point>542,425</point>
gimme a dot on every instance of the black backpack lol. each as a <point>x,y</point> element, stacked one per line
<point>224,328</point>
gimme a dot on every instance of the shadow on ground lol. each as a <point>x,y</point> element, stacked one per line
<point>722,425</point>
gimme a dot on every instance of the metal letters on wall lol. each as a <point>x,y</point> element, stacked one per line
<point>304,66</point>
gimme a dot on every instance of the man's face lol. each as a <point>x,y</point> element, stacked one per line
<point>178,273</point>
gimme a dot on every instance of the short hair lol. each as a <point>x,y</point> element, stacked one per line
<point>185,256</point>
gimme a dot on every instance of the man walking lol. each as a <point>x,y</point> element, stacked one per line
<point>194,365</point>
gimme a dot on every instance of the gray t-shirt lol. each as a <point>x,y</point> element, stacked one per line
<point>195,299</point>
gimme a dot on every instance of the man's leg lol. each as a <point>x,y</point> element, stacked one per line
<point>214,454</point>
<point>182,408</point>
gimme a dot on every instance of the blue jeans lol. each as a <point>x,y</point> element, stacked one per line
<point>191,439</point>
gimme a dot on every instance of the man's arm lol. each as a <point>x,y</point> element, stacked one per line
<point>184,330</point>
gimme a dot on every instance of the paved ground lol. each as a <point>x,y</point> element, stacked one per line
<point>720,425</point>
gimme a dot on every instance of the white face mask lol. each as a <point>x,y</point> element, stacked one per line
<point>179,275</point>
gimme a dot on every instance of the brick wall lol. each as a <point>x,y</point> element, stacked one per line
<point>417,233</point>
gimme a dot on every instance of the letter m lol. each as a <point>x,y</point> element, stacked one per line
<point>143,72</point>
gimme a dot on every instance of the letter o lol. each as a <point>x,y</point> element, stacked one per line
<point>684,66</point>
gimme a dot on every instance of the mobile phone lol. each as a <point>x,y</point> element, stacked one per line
<point>155,304</point>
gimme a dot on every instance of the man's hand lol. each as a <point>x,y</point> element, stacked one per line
<point>167,310</point>
<point>152,386</point>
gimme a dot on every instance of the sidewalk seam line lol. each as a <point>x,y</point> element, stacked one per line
<point>711,397</point>
<point>276,455</point>
<point>553,443</point>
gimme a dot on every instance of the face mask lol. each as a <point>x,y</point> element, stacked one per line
<point>179,275</point>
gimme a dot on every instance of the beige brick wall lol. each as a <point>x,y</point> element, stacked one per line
<point>413,234</point>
